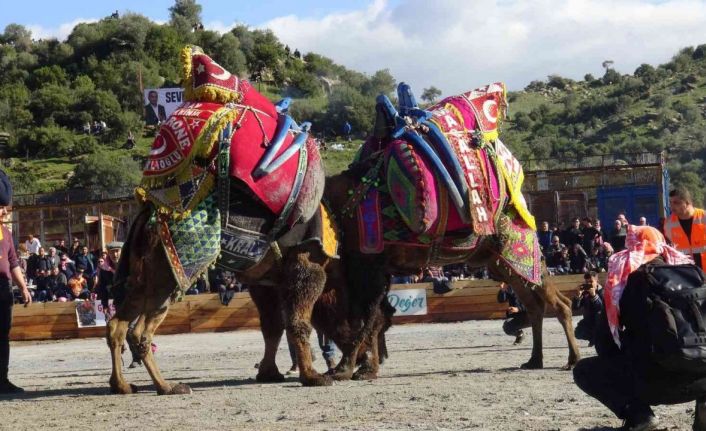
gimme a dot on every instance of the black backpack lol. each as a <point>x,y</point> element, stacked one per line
<point>675,306</point>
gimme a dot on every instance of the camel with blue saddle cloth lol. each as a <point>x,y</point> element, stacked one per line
<point>437,186</point>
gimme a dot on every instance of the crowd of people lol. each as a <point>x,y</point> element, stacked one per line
<point>62,273</point>
<point>583,245</point>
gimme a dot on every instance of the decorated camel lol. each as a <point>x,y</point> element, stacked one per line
<point>231,179</point>
<point>435,187</point>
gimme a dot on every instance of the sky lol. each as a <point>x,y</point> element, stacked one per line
<point>454,45</point>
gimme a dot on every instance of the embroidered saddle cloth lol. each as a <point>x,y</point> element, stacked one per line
<point>269,153</point>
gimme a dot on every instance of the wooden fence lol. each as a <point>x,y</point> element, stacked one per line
<point>470,299</point>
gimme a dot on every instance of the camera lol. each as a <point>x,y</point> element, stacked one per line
<point>586,286</point>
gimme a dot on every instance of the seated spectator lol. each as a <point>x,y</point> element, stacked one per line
<point>57,284</point>
<point>432,274</point>
<point>43,262</point>
<point>78,284</point>
<point>558,257</point>
<point>404,279</point>
<point>578,259</point>
<point>67,267</point>
<point>590,301</point>
<point>43,292</point>
<point>53,258</point>
<point>515,315</point>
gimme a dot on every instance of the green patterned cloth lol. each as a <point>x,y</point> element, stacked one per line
<point>520,249</point>
<point>194,242</point>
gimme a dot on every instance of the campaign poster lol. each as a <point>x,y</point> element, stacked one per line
<point>90,314</point>
<point>160,103</point>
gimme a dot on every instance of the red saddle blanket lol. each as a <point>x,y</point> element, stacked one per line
<point>180,170</point>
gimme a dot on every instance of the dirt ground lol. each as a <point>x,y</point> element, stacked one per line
<point>439,377</point>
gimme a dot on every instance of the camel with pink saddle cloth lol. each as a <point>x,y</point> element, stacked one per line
<point>448,178</point>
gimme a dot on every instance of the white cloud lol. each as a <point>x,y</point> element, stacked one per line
<point>60,33</point>
<point>460,44</point>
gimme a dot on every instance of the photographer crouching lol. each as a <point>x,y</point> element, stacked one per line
<point>516,315</point>
<point>589,299</point>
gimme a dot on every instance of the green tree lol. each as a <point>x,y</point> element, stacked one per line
<point>382,82</point>
<point>430,94</point>
<point>185,15</point>
<point>103,171</point>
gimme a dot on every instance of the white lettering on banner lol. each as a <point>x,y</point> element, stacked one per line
<point>408,302</point>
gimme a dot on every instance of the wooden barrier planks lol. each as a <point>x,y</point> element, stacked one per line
<point>469,299</point>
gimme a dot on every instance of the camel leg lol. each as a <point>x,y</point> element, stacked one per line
<point>367,278</point>
<point>304,281</point>
<point>370,368</point>
<point>269,307</point>
<point>116,331</point>
<point>152,322</point>
<point>534,305</point>
<point>562,308</point>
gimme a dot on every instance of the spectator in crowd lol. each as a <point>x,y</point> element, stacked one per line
<point>433,274</point>
<point>686,227</point>
<point>9,270</point>
<point>53,258</point>
<point>599,228</point>
<point>516,319</point>
<point>23,256</point>
<point>578,259</point>
<point>617,237</point>
<point>57,284</point>
<point>544,236</point>
<point>558,256</point>
<point>130,142</point>
<point>32,244</point>
<point>84,259</point>
<point>573,234</point>
<point>43,261</point>
<point>42,291</point>
<point>75,248</point>
<point>642,221</point>
<point>404,279</point>
<point>154,112</point>
<point>67,267</point>
<point>78,284</point>
<point>589,299</point>
<point>599,257</point>
<point>591,236</point>
<point>215,280</point>
<point>61,247</point>
<point>623,221</point>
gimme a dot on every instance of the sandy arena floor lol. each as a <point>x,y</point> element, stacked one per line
<point>438,377</point>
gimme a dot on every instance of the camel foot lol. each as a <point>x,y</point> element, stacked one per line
<point>341,374</point>
<point>533,364</point>
<point>124,389</point>
<point>316,380</point>
<point>569,366</point>
<point>180,389</point>
<point>271,376</point>
<point>365,374</point>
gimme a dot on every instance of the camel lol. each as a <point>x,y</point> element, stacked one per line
<point>369,273</point>
<point>330,316</point>
<point>232,174</point>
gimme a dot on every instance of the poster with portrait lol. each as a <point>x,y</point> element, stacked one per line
<point>160,103</point>
<point>90,314</point>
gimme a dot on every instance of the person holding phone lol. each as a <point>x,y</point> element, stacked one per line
<point>589,299</point>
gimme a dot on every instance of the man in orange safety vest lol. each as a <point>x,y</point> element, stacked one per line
<point>686,226</point>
